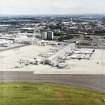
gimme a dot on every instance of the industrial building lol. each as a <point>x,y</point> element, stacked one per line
<point>24,40</point>
<point>5,43</point>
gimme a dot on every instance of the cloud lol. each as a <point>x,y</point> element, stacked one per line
<point>51,6</point>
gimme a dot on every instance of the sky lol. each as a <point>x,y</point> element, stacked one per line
<point>50,7</point>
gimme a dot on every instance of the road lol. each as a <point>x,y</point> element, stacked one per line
<point>96,82</point>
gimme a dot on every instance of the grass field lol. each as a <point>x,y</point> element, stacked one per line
<point>48,94</point>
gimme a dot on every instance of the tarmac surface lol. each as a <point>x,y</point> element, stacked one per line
<point>9,61</point>
<point>96,82</point>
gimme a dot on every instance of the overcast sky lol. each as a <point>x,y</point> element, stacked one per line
<point>41,7</point>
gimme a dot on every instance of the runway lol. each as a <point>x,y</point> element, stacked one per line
<point>96,82</point>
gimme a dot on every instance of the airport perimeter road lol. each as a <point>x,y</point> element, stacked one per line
<point>96,82</point>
